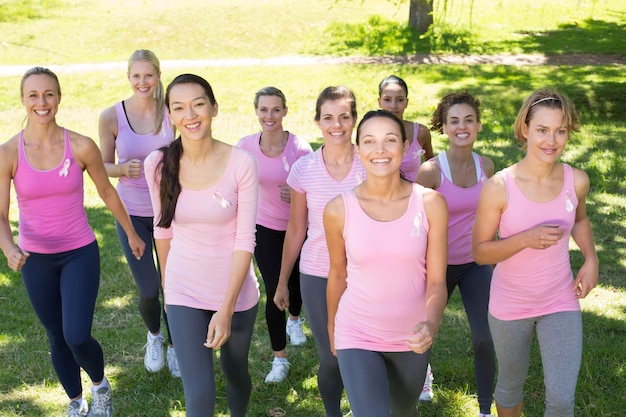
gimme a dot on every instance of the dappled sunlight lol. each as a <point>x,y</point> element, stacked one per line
<point>610,303</point>
<point>120,302</point>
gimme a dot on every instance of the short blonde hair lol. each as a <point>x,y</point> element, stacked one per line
<point>551,99</point>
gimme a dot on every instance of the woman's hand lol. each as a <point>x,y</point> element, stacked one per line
<point>422,338</point>
<point>281,297</point>
<point>543,236</point>
<point>132,168</point>
<point>219,330</point>
<point>17,258</point>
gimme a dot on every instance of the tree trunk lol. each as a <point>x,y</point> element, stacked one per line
<point>421,15</point>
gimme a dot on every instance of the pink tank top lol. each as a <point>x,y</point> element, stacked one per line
<point>385,297</point>
<point>462,204</point>
<point>130,145</point>
<point>52,215</point>
<point>535,282</point>
<point>412,161</point>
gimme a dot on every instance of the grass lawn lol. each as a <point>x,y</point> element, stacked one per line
<point>62,32</point>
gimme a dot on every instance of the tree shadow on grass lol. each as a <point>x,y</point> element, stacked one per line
<point>381,37</point>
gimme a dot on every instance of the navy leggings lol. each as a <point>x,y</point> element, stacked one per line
<point>474,281</point>
<point>383,384</point>
<point>145,273</point>
<point>62,288</point>
<point>189,330</point>
<point>328,376</point>
<point>268,254</point>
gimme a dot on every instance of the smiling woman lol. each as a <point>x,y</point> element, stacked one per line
<point>57,253</point>
<point>204,196</point>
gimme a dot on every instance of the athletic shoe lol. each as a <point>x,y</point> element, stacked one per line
<point>154,360</point>
<point>280,369</point>
<point>77,410</point>
<point>101,403</point>
<point>295,333</point>
<point>485,415</point>
<point>172,362</point>
<point>427,391</point>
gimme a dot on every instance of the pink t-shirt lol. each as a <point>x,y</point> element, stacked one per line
<point>309,176</point>
<point>535,282</point>
<point>52,214</point>
<point>130,145</point>
<point>412,160</point>
<point>385,296</point>
<point>273,212</point>
<point>208,226</point>
<point>462,204</point>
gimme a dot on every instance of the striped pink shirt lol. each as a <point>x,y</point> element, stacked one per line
<point>309,176</point>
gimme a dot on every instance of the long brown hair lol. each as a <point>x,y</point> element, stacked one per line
<point>170,188</point>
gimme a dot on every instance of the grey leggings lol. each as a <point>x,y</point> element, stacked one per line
<point>189,330</point>
<point>560,342</point>
<point>383,384</point>
<point>145,273</point>
<point>313,291</point>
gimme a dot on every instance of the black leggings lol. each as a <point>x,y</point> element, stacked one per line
<point>145,273</point>
<point>474,281</point>
<point>189,330</point>
<point>62,288</point>
<point>382,384</point>
<point>268,254</point>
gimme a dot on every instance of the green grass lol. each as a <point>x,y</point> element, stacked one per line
<point>63,32</point>
<point>70,31</point>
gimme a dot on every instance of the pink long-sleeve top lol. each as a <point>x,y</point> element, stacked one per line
<point>273,212</point>
<point>535,282</point>
<point>130,145</point>
<point>52,212</point>
<point>208,226</point>
<point>309,176</point>
<point>386,277</point>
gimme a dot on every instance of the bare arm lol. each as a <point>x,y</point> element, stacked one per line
<point>425,141</point>
<point>107,131</point>
<point>334,220</point>
<point>294,239</point>
<point>587,277</point>
<point>429,175</point>
<point>436,265</point>
<point>88,155</point>
<point>16,257</point>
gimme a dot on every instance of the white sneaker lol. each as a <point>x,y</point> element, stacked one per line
<point>427,391</point>
<point>485,415</point>
<point>280,369</point>
<point>295,333</point>
<point>101,402</point>
<point>77,410</point>
<point>172,362</point>
<point>154,359</point>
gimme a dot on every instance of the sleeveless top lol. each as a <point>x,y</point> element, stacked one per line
<point>462,204</point>
<point>535,282</point>
<point>386,281</point>
<point>309,176</point>
<point>130,145</point>
<point>412,161</point>
<point>273,212</point>
<point>52,217</point>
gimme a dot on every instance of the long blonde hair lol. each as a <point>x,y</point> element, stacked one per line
<point>149,56</point>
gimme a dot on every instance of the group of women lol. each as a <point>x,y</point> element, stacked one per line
<point>369,240</point>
